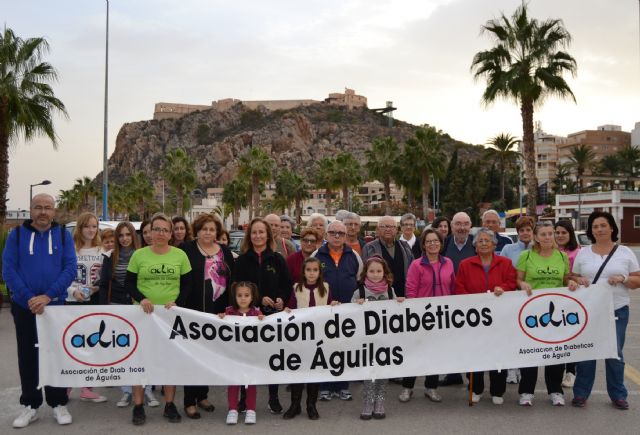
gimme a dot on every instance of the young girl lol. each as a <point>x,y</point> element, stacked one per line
<point>375,285</point>
<point>244,298</point>
<point>108,237</point>
<point>84,289</point>
<point>310,291</point>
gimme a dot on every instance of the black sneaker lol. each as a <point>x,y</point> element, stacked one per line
<point>171,413</point>
<point>139,417</point>
<point>274,406</point>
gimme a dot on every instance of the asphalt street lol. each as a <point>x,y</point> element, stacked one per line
<point>419,416</point>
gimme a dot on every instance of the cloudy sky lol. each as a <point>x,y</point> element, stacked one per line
<point>415,53</point>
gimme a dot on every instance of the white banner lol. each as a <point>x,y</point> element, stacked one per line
<point>121,345</point>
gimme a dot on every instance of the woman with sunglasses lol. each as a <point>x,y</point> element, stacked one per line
<point>308,241</point>
<point>541,267</point>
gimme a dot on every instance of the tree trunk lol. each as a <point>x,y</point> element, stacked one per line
<point>526,111</point>
<point>298,211</point>
<point>234,218</point>
<point>4,160</point>
<point>327,201</point>
<point>425,197</point>
<point>502,177</point>
<point>387,197</point>
<point>345,197</point>
<point>179,201</point>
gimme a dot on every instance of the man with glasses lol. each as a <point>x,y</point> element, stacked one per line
<point>341,267</point>
<point>396,253</point>
<point>457,247</point>
<point>352,222</point>
<point>408,228</point>
<point>38,265</point>
<point>309,238</point>
<point>491,221</point>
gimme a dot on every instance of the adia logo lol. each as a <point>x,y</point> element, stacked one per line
<point>553,318</point>
<point>100,339</point>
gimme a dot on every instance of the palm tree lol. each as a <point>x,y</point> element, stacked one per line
<point>382,159</point>
<point>180,174</point>
<point>347,174</point>
<point>582,158</point>
<point>503,155</point>
<point>284,189</point>
<point>610,165</point>
<point>141,191</point>
<point>427,159</point>
<point>325,179</point>
<point>410,180</point>
<point>563,178</point>
<point>630,158</point>
<point>299,192</point>
<point>27,101</point>
<point>69,201</point>
<point>85,188</point>
<point>258,167</point>
<point>235,195</point>
<point>526,65</point>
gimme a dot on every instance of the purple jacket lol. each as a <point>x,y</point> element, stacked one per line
<point>421,278</point>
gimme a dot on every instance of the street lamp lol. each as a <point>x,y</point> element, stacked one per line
<point>617,183</point>
<point>42,183</point>
<point>105,169</point>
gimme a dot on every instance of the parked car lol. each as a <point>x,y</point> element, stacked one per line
<point>102,225</point>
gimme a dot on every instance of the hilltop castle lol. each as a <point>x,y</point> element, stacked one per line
<point>348,99</point>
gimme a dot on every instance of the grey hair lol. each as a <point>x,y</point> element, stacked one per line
<point>341,215</point>
<point>490,212</point>
<point>314,216</point>
<point>289,219</point>
<point>488,232</point>
<point>407,216</point>
<point>351,215</point>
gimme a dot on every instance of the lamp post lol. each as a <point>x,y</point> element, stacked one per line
<point>105,169</point>
<point>579,204</point>
<point>617,183</point>
<point>42,183</point>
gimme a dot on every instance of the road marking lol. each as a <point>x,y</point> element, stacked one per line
<point>632,373</point>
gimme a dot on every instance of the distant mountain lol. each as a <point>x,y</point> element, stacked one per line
<point>294,138</point>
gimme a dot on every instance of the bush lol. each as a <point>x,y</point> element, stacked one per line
<point>335,116</point>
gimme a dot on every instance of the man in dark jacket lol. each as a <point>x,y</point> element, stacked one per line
<point>396,253</point>
<point>38,265</point>
<point>341,268</point>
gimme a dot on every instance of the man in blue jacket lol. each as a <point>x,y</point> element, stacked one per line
<point>341,268</point>
<point>38,265</point>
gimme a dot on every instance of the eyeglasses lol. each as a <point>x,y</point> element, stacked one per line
<point>432,242</point>
<point>309,241</point>
<point>462,224</point>
<point>41,208</point>
<point>386,227</point>
<point>337,233</point>
<point>160,230</point>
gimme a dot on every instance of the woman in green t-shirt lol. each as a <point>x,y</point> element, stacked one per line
<point>158,274</point>
<point>544,266</point>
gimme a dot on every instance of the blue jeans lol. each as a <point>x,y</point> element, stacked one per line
<point>586,370</point>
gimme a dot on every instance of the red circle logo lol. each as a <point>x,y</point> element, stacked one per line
<point>552,318</point>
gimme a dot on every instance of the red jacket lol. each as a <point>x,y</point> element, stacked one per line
<point>471,277</point>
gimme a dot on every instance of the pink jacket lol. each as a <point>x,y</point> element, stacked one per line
<point>421,278</point>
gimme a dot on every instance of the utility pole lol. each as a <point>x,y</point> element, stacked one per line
<point>105,169</point>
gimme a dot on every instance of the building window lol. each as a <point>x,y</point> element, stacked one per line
<point>636,221</point>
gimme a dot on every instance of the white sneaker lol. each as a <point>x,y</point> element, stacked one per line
<point>497,400</point>
<point>27,416</point>
<point>513,376</point>
<point>557,399</point>
<point>432,394</point>
<point>475,398</point>
<point>568,380</point>
<point>62,415</point>
<point>152,402</point>
<point>232,417</point>
<point>526,399</point>
<point>250,417</point>
<point>405,395</point>
<point>124,401</point>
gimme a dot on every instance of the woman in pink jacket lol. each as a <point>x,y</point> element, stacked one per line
<point>428,276</point>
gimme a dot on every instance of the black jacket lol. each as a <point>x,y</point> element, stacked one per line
<point>201,296</point>
<point>118,293</point>
<point>271,275</point>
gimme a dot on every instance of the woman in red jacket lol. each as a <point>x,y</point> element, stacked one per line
<point>486,272</point>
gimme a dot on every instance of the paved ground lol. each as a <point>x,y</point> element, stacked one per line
<point>452,416</point>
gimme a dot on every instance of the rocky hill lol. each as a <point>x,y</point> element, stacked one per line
<point>294,138</point>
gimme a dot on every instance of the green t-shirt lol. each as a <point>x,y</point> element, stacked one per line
<point>543,272</point>
<point>159,275</point>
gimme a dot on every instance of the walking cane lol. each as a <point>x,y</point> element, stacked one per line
<point>470,388</point>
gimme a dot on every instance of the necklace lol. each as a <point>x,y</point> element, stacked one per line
<point>207,254</point>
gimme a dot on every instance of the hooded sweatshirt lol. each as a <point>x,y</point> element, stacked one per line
<point>38,263</point>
